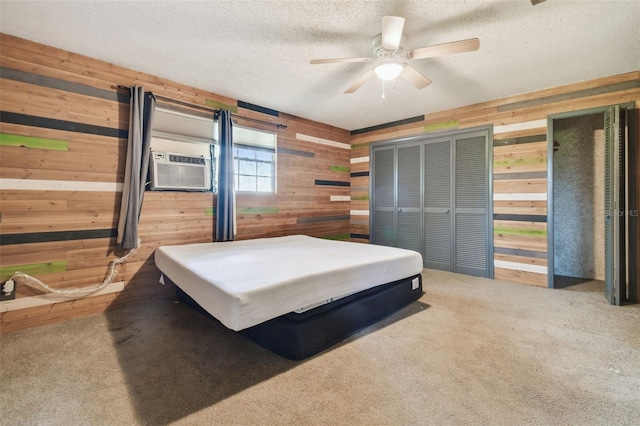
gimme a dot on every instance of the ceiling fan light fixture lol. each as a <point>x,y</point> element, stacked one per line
<point>388,70</point>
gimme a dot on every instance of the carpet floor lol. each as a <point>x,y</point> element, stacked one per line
<point>471,351</point>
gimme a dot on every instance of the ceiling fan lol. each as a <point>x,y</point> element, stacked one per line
<point>392,59</point>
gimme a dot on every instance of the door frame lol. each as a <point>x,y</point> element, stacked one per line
<point>550,178</point>
<point>489,166</point>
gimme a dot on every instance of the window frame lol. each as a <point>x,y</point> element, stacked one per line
<point>238,158</point>
<point>256,143</point>
<point>256,148</point>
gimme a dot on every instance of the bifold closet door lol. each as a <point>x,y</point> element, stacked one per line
<point>431,196</point>
<point>438,232</point>
<point>471,204</point>
<point>383,226</point>
<point>397,196</point>
<point>620,240</point>
<point>409,199</point>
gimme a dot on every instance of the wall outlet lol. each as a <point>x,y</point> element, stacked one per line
<point>8,290</point>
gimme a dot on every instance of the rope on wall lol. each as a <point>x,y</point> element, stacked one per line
<point>27,279</point>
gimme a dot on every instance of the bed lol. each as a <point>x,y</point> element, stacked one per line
<point>294,295</point>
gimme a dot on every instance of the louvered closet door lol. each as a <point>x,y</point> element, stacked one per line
<point>438,236</point>
<point>609,206</point>
<point>471,199</point>
<point>615,250</point>
<point>409,197</point>
<point>383,224</point>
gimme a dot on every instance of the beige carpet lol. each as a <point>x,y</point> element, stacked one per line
<point>471,351</point>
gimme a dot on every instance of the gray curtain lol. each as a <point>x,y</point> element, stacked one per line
<point>142,107</point>
<point>225,208</point>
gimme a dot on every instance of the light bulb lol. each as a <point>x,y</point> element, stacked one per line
<point>388,70</point>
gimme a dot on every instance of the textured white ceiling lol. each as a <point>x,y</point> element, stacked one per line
<point>259,51</point>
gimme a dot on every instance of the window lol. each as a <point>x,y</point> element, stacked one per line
<point>183,134</point>
<point>254,168</point>
<point>192,134</point>
<point>254,156</point>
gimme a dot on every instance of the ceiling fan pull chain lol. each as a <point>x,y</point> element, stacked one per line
<point>383,89</point>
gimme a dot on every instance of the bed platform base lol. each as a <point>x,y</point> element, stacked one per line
<point>298,336</point>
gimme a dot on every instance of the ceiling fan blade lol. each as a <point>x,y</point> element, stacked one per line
<point>460,46</point>
<point>534,2</point>
<point>338,60</point>
<point>414,77</point>
<point>360,82</point>
<point>391,31</point>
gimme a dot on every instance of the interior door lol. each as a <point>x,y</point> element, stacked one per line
<point>438,230</point>
<point>615,206</point>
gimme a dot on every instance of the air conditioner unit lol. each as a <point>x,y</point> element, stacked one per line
<point>179,172</point>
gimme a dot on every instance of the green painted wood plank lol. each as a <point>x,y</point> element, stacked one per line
<point>33,269</point>
<point>440,126</point>
<point>360,198</point>
<point>31,142</point>
<point>341,169</point>
<point>220,105</point>
<point>518,231</point>
<point>337,237</point>
<point>210,211</point>
<point>360,145</point>
<point>258,210</point>
<point>317,219</point>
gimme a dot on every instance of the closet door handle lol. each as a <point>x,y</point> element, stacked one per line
<point>399,210</point>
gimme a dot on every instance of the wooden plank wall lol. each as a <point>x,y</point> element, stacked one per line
<point>63,130</point>
<point>519,164</point>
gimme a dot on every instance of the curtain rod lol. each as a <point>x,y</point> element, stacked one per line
<point>204,108</point>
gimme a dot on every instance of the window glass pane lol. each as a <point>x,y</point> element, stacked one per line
<point>246,153</point>
<point>265,169</point>
<point>247,183</point>
<point>254,169</point>
<point>247,168</point>
<point>264,184</point>
<point>264,155</point>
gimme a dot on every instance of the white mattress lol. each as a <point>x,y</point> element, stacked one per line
<point>244,283</point>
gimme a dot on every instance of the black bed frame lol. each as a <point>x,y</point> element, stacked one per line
<point>298,336</point>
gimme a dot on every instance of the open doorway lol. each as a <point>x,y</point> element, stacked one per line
<point>578,202</point>
<point>592,206</point>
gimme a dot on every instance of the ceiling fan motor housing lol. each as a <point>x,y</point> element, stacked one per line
<point>386,54</point>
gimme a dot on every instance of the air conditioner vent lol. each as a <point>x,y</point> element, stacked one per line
<point>185,159</point>
<point>179,172</point>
